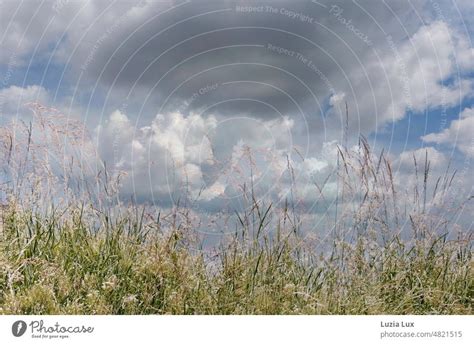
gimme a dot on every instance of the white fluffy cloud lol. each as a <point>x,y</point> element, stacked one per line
<point>160,158</point>
<point>411,75</point>
<point>13,101</point>
<point>459,134</point>
<point>406,160</point>
<point>175,155</point>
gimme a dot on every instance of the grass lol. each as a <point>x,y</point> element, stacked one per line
<point>86,257</point>
<point>48,267</point>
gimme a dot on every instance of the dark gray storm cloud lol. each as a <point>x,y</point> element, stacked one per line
<point>263,59</point>
<point>259,58</point>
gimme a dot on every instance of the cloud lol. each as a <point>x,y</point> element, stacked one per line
<point>27,29</point>
<point>410,76</point>
<point>160,159</point>
<point>459,133</point>
<point>230,81</point>
<point>435,158</point>
<point>193,156</point>
<point>202,160</point>
<point>13,100</point>
<point>283,58</point>
<point>272,69</point>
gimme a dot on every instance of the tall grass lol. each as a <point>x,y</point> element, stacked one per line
<point>83,256</point>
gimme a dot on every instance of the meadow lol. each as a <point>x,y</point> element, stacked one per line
<point>89,256</point>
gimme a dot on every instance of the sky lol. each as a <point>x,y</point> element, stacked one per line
<point>196,97</point>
